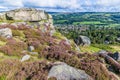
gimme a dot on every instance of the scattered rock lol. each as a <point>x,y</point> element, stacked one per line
<point>6,32</point>
<point>31,48</point>
<point>35,18</point>
<point>25,58</point>
<point>116,56</point>
<point>118,39</point>
<point>62,71</point>
<point>107,42</point>
<point>82,40</point>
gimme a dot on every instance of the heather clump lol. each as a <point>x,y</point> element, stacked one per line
<point>13,48</point>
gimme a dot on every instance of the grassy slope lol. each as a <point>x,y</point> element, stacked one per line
<point>96,47</point>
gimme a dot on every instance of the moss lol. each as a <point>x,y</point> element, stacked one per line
<point>2,43</point>
<point>3,39</point>
<point>58,35</point>
<point>18,34</point>
<point>103,47</point>
<point>89,49</point>
<point>3,77</point>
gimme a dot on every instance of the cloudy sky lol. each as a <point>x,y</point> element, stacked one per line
<point>63,5</point>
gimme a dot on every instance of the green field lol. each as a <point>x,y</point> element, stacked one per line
<point>87,22</point>
<point>101,27</point>
<point>88,18</point>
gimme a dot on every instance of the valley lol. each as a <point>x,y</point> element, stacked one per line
<point>103,28</point>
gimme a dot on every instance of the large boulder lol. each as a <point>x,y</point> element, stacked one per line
<point>6,32</point>
<point>62,71</point>
<point>35,18</point>
<point>82,40</point>
<point>25,14</point>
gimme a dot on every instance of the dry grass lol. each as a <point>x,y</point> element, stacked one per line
<point>116,48</point>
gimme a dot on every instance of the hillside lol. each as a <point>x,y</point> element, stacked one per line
<point>31,49</point>
<point>103,29</point>
<point>107,19</point>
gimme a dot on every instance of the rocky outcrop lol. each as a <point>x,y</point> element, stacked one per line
<point>62,71</point>
<point>6,32</point>
<point>30,17</point>
<point>25,14</point>
<point>82,40</point>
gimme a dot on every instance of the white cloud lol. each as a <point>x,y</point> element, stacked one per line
<point>54,3</point>
<point>67,5</point>
<point>12,3</point>
<point>108,2</point>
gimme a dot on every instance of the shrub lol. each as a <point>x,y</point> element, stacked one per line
<point>92,66</point>
<point>33,71</point>
<point>17,33</point>
<point>8,26</point>
<point>13,48</point>
<point>23,27</point>
<point>3,39</point>
<point>64,44</point>
<point>14,70</point>
<point>90,63</point>
<point>8,68</point>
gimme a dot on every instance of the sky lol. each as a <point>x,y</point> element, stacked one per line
<point>63,5</point>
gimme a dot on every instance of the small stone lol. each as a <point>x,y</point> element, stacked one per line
<point>116,56</point>
<point>25,58</point>
<point>6,32</point>
<point>31,48</point>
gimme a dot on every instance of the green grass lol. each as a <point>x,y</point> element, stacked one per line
<point>113,25</point>
<point>58,35</point>
<point>2,43</point>
<point>3,77</point>
<point>96,47</point>
<point>88,22</point>
<point>3,57</point>
<point>89,49</point>
<point>61,21</point>
<point>104,47</point>
<point>116,47</point>
<point>18,35</point>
